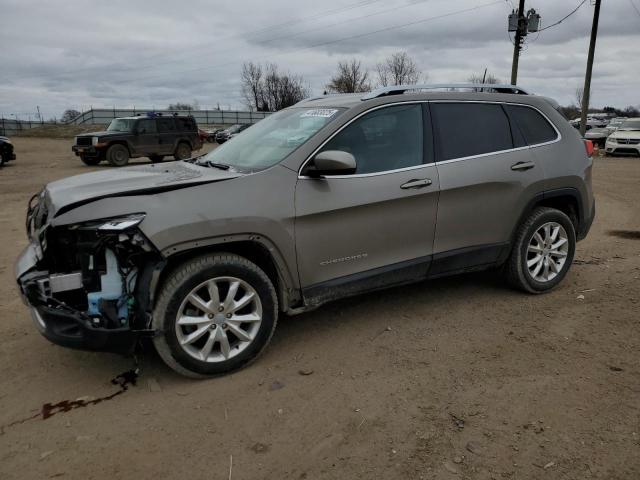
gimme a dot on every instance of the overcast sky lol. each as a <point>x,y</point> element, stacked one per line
<point>149,53</point>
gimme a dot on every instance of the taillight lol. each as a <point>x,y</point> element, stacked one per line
<point>588,145</point>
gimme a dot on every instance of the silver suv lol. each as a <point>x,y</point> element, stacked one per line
<point>332,197</point>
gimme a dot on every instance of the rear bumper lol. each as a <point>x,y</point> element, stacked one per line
<point>586,223</point>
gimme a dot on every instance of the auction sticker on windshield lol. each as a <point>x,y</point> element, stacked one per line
<point>319,112</point>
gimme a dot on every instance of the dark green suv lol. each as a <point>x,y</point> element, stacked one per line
<point>153,136</point>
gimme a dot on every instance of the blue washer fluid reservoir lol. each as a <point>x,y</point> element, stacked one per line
<point>111,288</point>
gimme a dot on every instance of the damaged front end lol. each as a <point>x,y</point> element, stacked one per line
<point>88,284</point>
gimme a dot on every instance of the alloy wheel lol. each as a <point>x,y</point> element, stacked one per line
<point>218,319</point>
<point>547,252</point>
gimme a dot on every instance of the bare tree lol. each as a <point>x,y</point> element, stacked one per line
<point>268,89</point>
<point>487,78</point>
<point>181,106</point>
<point>579,93</point>
<point>69,115</point>
<point>351,77</point>
<point>251,78</point>
<point>398,69</point>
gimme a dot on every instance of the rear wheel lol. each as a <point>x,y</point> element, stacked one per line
<point>543,251</point>
<point>214,314</point>
<point>156,158</point>
<point>118,155</point>
<point>90,160</point>
<point>183,151</point>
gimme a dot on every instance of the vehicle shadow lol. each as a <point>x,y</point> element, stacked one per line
<point>372,312</point>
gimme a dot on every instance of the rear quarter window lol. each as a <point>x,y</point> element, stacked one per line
<point>186,124</point>
<point>468,129</point>
<point>166,125</point>
<point>534,127</point>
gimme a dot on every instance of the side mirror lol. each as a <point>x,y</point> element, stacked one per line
<point>332,162</point>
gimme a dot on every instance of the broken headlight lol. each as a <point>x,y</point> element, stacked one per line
<point>118,224</point>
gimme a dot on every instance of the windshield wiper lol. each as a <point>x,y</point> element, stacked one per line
<point>221,166</point>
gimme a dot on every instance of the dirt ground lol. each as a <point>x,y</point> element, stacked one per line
<point>455,378</point>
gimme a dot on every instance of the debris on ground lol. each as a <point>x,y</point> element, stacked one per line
<point>459,422</point>
<point>277,385</point>
<point>474,448</point>
<point>154,386</point>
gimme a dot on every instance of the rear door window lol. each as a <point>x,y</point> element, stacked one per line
<point>146,126</point>
<point>468,129</point>
<point>534,127</point>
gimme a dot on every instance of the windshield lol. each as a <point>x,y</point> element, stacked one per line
<point>633,124</point>
<point>121,125</point>
<point>269,141</point>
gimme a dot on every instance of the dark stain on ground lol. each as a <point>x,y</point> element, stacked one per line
<point>628,234</point>
<point>50,409</point>
<point>123,381</point>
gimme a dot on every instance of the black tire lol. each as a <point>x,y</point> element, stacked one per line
<point>91,161</point>
<point>180,283</point>
<point>118,155</point>
<point>183,151</point>
<point>516,269</point>
<point>156,158</point>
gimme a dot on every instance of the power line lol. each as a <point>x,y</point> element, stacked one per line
<point>325,13</point>
<point>564,18</point>
<point>634,7</point>
<point>348,20</point>
<point>207,46</point>
<point>332,42</point>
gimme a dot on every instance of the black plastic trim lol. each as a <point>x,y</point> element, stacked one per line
<point>468,259</point>
<point>375,279</point>
<point>443,264</point>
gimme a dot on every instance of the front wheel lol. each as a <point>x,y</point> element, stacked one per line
<point>214,314</point>
<point>543,251</point>
<point>118,155</point>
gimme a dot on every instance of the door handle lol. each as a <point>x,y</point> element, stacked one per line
<point>419,183</point>
<point>522,166</point>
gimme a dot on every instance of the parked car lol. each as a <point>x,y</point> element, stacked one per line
<point>335,196</point>
<point>591,123</point>
<point>615,123</point>
<point>154,136</point>
<point>626,139</point>
<point>6,150</point>
<point>597,135</point>
<point>211,134</point>
<point>203,135</point>
<point>231,132</point>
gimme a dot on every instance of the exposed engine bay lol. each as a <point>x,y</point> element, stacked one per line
<point>93,277</point>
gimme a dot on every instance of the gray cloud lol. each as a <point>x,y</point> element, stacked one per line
<point>150,53</point>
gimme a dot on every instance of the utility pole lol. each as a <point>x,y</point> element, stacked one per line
<point>587,77</point>
<point>517,44</point>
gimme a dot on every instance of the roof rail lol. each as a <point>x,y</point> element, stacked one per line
<point>399,89</point>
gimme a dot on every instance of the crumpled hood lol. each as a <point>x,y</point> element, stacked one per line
<point>68,193</point>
